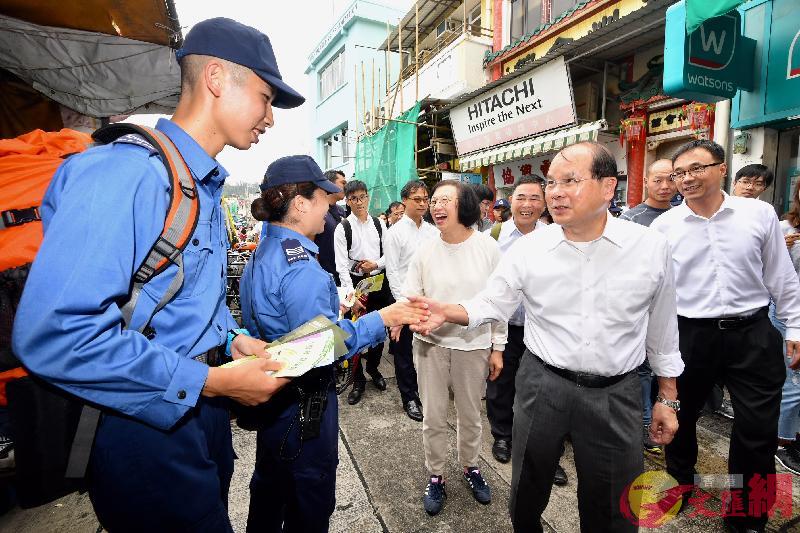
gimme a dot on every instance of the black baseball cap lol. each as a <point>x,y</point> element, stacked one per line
<point>296,169</point>
<point>227,39</point>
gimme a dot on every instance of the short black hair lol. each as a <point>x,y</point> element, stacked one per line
<point>333,175</point>
<point>354,186</point>
<point>716,151</point>
<point>392,206</point>
<point>483,192</point>
<point>755,171</point>
<point>469,211</point>
<point>530,179</point>
<point>412,186</point>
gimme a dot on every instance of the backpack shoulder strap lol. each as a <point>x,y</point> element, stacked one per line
<point>495,231</point>
<point>181,217</point>
<point>348,234</point>
<point>377,223</point>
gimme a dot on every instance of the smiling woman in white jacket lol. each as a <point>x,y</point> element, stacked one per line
<point>452,268</point>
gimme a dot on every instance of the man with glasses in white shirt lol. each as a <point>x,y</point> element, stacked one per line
<point>729,257</point>
<point>402,242</point>
<point>599,295</point>
<point>527,205</point>
<point>358,247</point>
<point>752,180</point>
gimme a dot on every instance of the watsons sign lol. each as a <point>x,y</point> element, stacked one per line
<point>711,63</point>
<point>535,103</point>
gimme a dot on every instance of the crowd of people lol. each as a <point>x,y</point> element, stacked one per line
<point>593,329</point>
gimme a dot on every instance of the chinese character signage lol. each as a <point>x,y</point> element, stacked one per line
<point>508,174</point>
<point>539,101</point>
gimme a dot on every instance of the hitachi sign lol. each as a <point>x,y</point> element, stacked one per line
<point>711,63</point>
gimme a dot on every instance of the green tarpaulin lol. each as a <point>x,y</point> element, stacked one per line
<point>385,160</point>
<point>698,11</point>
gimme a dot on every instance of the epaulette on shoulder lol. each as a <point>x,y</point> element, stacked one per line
<point>293,251</point>
<point>137,140</point>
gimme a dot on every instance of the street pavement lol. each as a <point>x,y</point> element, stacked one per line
<point>382,476</point>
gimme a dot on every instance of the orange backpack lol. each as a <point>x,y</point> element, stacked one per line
<point>27,164</point>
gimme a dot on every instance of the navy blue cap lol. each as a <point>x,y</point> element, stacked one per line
<point>502,202</point>
<point>296,169</point>
<point>227,39</point>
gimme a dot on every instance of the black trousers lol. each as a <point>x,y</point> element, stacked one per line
<point>605,425</point>
<point>404,369</point>
<point>372,358</point>
<point>500,392</point>
<point>749,362</point>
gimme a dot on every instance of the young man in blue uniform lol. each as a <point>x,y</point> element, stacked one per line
<point>162,458</point>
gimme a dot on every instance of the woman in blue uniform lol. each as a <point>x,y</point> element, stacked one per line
<point>283,286</point>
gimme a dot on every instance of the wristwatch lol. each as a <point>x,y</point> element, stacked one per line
<point>674,404</point>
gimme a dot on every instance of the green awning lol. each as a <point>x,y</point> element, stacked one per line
<point>533,146</point>
<point>698,11</point>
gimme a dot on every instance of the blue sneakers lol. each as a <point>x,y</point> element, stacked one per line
<point>480,489</point>
<point>434,496</point>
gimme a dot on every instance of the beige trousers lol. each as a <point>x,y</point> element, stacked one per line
<point>465,372</point>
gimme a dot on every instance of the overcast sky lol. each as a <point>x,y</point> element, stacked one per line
<point>294,28</point>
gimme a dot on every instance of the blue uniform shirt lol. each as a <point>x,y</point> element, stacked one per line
<point>102,212</point>
<point>283,287</point>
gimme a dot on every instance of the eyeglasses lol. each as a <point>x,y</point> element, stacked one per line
<point>441,201</point>
<point>566,184</point>
<point>419,199</point>
<point>695,171</point>
<point>358,199</point>
<point>756,184</point>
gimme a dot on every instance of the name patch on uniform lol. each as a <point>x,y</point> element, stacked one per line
<point>294,251</point>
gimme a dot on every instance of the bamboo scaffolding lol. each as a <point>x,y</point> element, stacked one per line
<point>372,103</point>
<point>400,52</point>
<point>355,94</point>
<point>363,97</point>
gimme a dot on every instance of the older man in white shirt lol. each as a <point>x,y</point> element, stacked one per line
<point>730,258</point>
<point>598,294</point>
<point>402,241</point>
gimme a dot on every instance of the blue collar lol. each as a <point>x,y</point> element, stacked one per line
<point>202,165</point>
<point>281,233</point>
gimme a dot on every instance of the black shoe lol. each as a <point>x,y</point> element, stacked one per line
<point>560,479</point>
<point>413,411</point>
<point>378,381</point>
<point>725,409</point>
<point>501,450</point>
<point>355,395</point>
<point>789,458</point>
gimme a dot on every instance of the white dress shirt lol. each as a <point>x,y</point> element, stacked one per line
<point>402,241</point>
<point>366,247</point>
<point>509,233</point>
<point>730,264</point>
<point>594,307</point>
<point>450,272</point>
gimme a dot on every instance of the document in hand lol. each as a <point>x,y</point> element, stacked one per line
<point>365,286</point>
<point>316,343</point>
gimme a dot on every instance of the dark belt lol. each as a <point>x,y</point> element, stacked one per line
<point>582,379</point>
<point>211,357</point>
<point>731,322</point>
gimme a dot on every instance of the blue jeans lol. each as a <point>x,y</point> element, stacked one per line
<point>645,374</point>
<point>789,421</point>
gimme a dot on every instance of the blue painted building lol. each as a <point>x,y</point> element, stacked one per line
<point>347,74</point>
